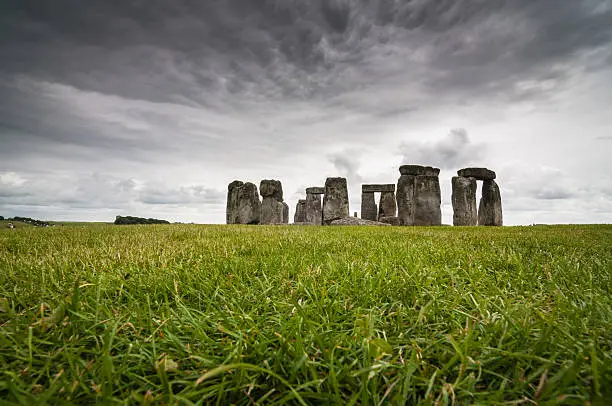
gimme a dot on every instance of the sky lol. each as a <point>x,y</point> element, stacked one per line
<point>151,108</point>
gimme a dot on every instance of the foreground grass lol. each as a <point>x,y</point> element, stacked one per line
<point>186,314</point>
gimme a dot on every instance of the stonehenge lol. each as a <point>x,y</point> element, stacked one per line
<point>387,206</point>
<point>300,211</point>
<point>243,205</point>
<point>335,200</point>
<point>415,201</point>
<point>418,196</point>
<point>314,211</point>
<point>464,198</point>
<point>464,201</point>
<point>272,205</point>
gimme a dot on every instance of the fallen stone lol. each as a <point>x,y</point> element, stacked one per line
<point>377,188</point>
<point>387,206</point>
<point>394,220</point>
<point>369,210</point>
<point>464,201</point>
<point>490,208</point>
<point>335,200</point>
<point>477,173</point>
<point>418,170</point>
<point>353,221</point>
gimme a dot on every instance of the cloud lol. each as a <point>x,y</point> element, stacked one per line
<point>347,164</point>
<point>454,151</point>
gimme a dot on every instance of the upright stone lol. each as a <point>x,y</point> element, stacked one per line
<point>418,196</point>
<point>464,201</point>
<point>272,206</point>
<point>368,206</point>
<point>285,213</point>
<point>405,199</point>
<point>387,206</point>
<point>427,201</point>
<point>313,205</point>
<point>231,207</point>
<point>335,200</point>
<point>300,212</point>
<point>249,206</point>
<point>490,208</point>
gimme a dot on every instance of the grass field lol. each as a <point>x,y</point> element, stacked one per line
<point>188,314</point>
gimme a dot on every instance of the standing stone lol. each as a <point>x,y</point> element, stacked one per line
<point>313,205</point>
<point>490,208</point>
<point>335,200</point>
<point>231,207</point>
<point>387,206</point>
<point>368,206</point>
<point>427,201</point>
<point>300,212</point>
<point>243,205</point>
<point>418,196</point>
<point>248,207</point>
<point>464,201</point>
<point>405,199</point>
<point>285,213</point>
<point>272,206</point>
<point>355,214</point>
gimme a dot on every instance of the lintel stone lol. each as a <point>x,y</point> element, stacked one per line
<point>315,190</point>
<point>373,188</point>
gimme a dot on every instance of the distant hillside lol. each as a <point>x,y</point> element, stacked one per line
<point>122,220</point>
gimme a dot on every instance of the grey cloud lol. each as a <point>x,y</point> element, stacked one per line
<point>180,196</point>
<point>453,151</point>
<point>347,165</point>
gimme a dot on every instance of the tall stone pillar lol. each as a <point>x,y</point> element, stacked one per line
<point>464,201</point>
<point>285,213</point>
<point>418,196</point>
<point>272,207</point>
<point>490,208</point>
<point>300,212</point>
<point>369,210</point>
<point>314,211</point>
<point>335,200</point>
<point>243,205</point>
<point>387,206</point>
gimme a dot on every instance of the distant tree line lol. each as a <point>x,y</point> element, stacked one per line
<point>1,218</point>
<point>35,223</point>
<point>138,220</point>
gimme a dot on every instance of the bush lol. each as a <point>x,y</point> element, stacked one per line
<point>121,220</point>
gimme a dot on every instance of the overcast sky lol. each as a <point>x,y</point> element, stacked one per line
<point>150,108</point>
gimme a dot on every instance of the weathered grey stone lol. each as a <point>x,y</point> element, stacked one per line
<point>394,221</point>
<point>249,206</point>
<point>231,207</point>
<point>353,221</point>
<point>427,201</point>
<point>271,188</point>
<point>271,211</point>
<point>300,212</point>
<point>477,173</point>
<point>387,206</point>
<point>313,209</point>
<point>418,170</point>
<point>377,188</point>
<point>369,211</point>
<point>355,214</point>
<point>405,199</point>
<point>315,190</point>
<point>335,200</point>
<point>464,201</point>
<point>490,208</point>
<point>285,213</point>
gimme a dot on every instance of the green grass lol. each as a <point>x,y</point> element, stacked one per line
<point>188,314</point>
